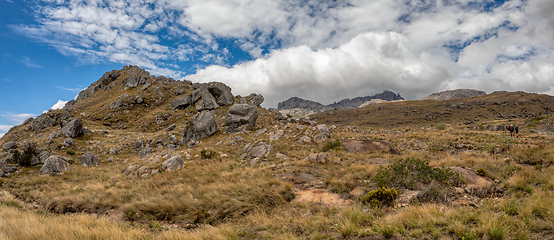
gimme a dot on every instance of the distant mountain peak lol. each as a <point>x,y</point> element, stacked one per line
<point>296,102</point>
<point>453,94</point>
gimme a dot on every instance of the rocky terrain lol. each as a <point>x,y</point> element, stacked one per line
<point>299,103</point>
<point>453,94</point>
<point>137,156</point>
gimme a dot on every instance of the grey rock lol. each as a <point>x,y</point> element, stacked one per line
<point>221,92</point>
<point>9,145</point>
<point>171,128</point>
<point>174,163</point>
<point>201,126</point>
<point>54,165</point>
<point>240,117</point>
<point>2,163</point>
<point>181,103</point>
<point>116,104</point>
<point>323,129</point>
<point>68,142</point>
<point>204,99</point>
<point>138,99</point>
<point>133,81</point>
<point>89,160</point>
<point>130,169</point>
<point>142,170</point>
<point>255,99</point>
<point>9,168</point>
<point>28,120</point>
<point>145,152</point>
<point>259,150</point>
<point>103,82</point>
<point>43,156</point>
<point>139,144</point>
<point>172,147</point>
<point>114,151</point>
<point>35,160</point>
<point>73,129</point>
<point>320,138</point>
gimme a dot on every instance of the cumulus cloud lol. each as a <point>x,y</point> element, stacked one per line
<point>323,50</point>
<point>5,128</point>
<point>368,64</point>
<point>59,105</point>
<point>17,118</point>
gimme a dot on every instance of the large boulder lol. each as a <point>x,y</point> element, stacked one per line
<point>174,163</point>
<point>73,128</point>
<point>182,103</point>
<point>9,145</point>
<point>89,160</point>
<point>241,116</point>
<point>43,121</point>
<point>134,80</point>
<point>221,92</point>
<point>204,99</point>
<point>201,126</point>
<point>54,165</point>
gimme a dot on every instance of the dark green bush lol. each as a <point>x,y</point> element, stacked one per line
<point>412,173</point>
<point>70,152</point>
<point>206,154</point>
<point>24,159</point>
<point>332,145</point>
<point>481,172</point>
<point>381,196</point>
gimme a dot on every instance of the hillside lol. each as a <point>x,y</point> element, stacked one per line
<point>453,94</point>
<point>143,157</point>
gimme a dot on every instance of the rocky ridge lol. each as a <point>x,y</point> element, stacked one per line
<point>453,94</point>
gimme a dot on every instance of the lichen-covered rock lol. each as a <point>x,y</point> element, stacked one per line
<point>145,152</point>
<point>54,165</point>
<point>73,128</point>
<point>202,126</point>
<point>89,160</point>
<point>241,116</point>
<point>174,163</point>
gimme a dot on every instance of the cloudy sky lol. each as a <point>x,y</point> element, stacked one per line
<point>320,50</point>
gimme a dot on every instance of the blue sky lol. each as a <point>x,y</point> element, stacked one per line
<point>320,50</point>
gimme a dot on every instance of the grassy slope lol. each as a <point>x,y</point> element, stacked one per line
<point>225,198</point>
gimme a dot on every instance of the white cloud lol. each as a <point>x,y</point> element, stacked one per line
<point>17,118</point>
<point>29,63</point>
<point>59,105</point>
<point>5,128</point>
<point>368,64</point>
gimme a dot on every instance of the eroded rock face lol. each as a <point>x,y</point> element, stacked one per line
<point>43,121</point>
<point>105,80</point>
<point>221,92</point>
<point>241,116</point>
<point>174,163</point>
<point>54,165</point>
<point>89,160</point>
<point>202,125</point>
<point>204,99</point>
<point>73,129</point>
<point>255,99</point>
<point>182,102</point>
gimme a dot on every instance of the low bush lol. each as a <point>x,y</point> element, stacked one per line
<point>206,154</point>
<point>412,173</point>
<point>381,196</point>
<point>332,145</point>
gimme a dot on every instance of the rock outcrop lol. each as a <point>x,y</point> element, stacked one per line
<point>201,126</point>
<point>9,145</point>
<point>181,103</point>
<point>241,116</point>
<point>73,129</point>
<point>453,94</point>
<point>54,165</point>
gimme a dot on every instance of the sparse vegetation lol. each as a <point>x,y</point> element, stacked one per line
<point>332,145</point>
<point>381,196</point>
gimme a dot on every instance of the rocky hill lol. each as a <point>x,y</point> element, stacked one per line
<point>296,102</point>
<point>137,156</point>
<point>453,94</point>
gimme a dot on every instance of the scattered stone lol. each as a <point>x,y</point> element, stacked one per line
<point>9,145</point>
<point>304,139</point>
<point>114,151</point>
<point>241,117</point>
<point>259,132</point>
<point>324,130</point>
<point>318,157</point>
<point>43,121</point>
<point>172,147</point>
<point>204,99</point>
<point>254,161</point>
<point>320,138</point>
<point>68,142</point>
<point>89,160</point>
<point>139,144</point>
<point>43,156</point>
<point>174,163</point>
<point>116,104</point>
<point>130,169</point>
<point>138,99</point>
<point>202,126</point>
<point>171,128</point>
<point>54,165</point>
<point>281,156</point>
<point>73,129</point>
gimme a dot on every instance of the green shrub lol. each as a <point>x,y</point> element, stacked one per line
<point>441,126</point>
<point>70,152</point>
<point>411,173</point>
<point>432,193</point>
<point>481,172</point>
<point>332,145</point>
<point>381,196</point>
<point>24,159</point>
<point>206,154</point>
